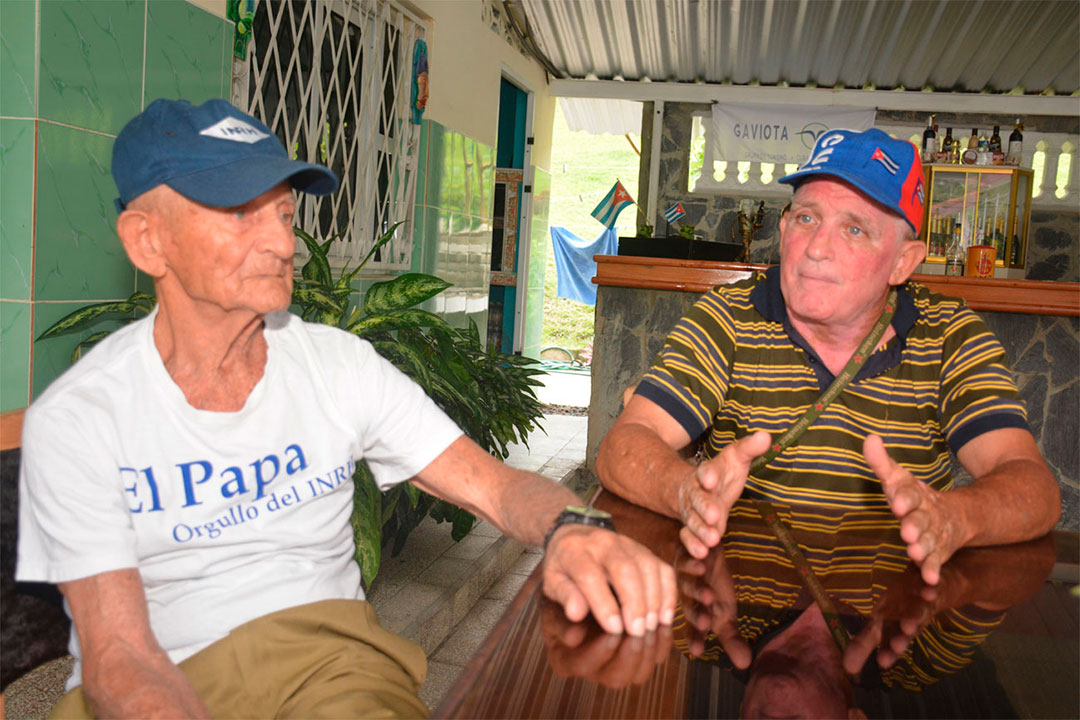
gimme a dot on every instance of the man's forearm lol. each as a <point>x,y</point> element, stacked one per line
<point>529,506</point>
<point>636,464</point>
<point>126,684</point>
<point>1016,501</point>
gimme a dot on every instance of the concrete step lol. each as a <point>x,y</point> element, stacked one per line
<point>424,592</point>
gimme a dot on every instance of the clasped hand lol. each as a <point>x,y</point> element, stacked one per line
<point>708,492</point>
<point>621,582</point>
<point>928,526</point>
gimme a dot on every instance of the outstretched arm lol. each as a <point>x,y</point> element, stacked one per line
<point>125,672</point>
<point>1014,497</point>
<point>582,564</point>
<point>639,461</point>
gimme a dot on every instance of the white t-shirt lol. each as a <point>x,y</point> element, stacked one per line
<point>228,516</point>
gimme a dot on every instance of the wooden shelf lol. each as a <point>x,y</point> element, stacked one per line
<point>1001,295</point>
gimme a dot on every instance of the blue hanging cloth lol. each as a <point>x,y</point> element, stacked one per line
<point>574,264</point>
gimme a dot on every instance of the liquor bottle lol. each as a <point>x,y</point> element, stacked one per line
<point>954,257</point>
<point>995,140</point>
<point>945,149</point>
<point>929,141</point>
<point>1016,143</point>
<point>970,154</point>
<point>984,156</point>
<point>1014,258</point>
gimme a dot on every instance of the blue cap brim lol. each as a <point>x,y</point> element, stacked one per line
<point>241,182</point>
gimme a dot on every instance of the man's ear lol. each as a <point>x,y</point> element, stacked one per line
<point>137,232</point>
<point>911,254</point>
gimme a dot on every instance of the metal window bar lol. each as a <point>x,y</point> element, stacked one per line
<point>332,79</point>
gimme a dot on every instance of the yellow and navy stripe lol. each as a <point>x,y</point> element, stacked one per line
<point>735,365</point>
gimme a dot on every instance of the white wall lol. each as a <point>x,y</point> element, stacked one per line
<point>466,60</point>
<point>215,7</point>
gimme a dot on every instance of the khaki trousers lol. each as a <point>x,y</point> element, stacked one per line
<point>329,659</point>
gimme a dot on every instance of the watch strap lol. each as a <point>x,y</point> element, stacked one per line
<point>576,515</point>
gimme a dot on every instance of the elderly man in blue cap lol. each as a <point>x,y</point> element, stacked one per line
<point>173,481</point>
<point>833,381</point>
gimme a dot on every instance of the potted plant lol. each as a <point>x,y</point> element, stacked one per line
<point>489,394</point>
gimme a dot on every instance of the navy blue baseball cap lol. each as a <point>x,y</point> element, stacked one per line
<point>881,167</point>
<point>210,153</point>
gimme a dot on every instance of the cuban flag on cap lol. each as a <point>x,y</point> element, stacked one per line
<point>891,165</point>
<point>884,168</point>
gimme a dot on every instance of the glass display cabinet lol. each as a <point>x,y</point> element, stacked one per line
<point>978,206</point>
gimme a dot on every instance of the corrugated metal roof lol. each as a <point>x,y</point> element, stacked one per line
<point>946,45</point>
<point>602,116</point>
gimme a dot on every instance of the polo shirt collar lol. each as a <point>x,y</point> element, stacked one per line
<point>768,300</point>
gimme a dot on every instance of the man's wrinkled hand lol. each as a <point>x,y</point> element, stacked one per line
<point>905,609</point>
<point>708,599</point>
<point>928,526</point>
<point>623,585</point>
<point>708,492</point>
<point>615,661</point>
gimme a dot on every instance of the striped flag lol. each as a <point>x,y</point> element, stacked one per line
<point>612,204</point>
<point>674,212</point>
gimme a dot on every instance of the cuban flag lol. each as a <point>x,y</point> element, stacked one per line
<point>674,212</point>
<point>613,203</point>
<point>891,165</point>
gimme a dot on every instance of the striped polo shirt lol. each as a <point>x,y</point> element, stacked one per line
<point>735,365</point>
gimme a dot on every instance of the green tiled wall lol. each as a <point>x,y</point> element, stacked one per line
<point>452,228</point>
<point>90,74</point>
<point>77,256</point>
<point>15,344</point>
<point>99,62</point>
<point>16,207</point>
<point>17,43</point>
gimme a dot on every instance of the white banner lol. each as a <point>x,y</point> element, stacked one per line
<point>778,133</point>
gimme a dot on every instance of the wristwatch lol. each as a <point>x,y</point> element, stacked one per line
<point>580,515</point>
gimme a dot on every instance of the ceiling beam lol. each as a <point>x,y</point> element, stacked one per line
<point>916,101</point>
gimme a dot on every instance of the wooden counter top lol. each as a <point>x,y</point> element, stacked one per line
<point>1016,296</point>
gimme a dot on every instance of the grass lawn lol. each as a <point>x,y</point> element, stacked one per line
<point>584,167</point>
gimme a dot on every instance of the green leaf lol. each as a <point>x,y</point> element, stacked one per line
<point>314,297</point>
<point>317,267</point>
<point>402,292</point>
<point>406,359</point>
<point>143,301</point>
<point>462,524</point>
<point>413,492</point>
<point>396,320</point>
<point>367,522</point>
<point>389,504</point>
<point>88,343</point>
<point>383,239</point>
<point>85,316</point>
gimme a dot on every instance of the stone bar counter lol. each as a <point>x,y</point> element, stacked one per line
<point>639,299</point>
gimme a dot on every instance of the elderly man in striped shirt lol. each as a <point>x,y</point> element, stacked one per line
<point>833,381</point>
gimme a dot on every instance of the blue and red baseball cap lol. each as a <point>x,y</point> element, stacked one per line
<point>881,167</point>
<point>212,153</point>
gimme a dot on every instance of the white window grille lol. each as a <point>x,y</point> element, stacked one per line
<point>332,78</point>
<point>1050,156</point>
